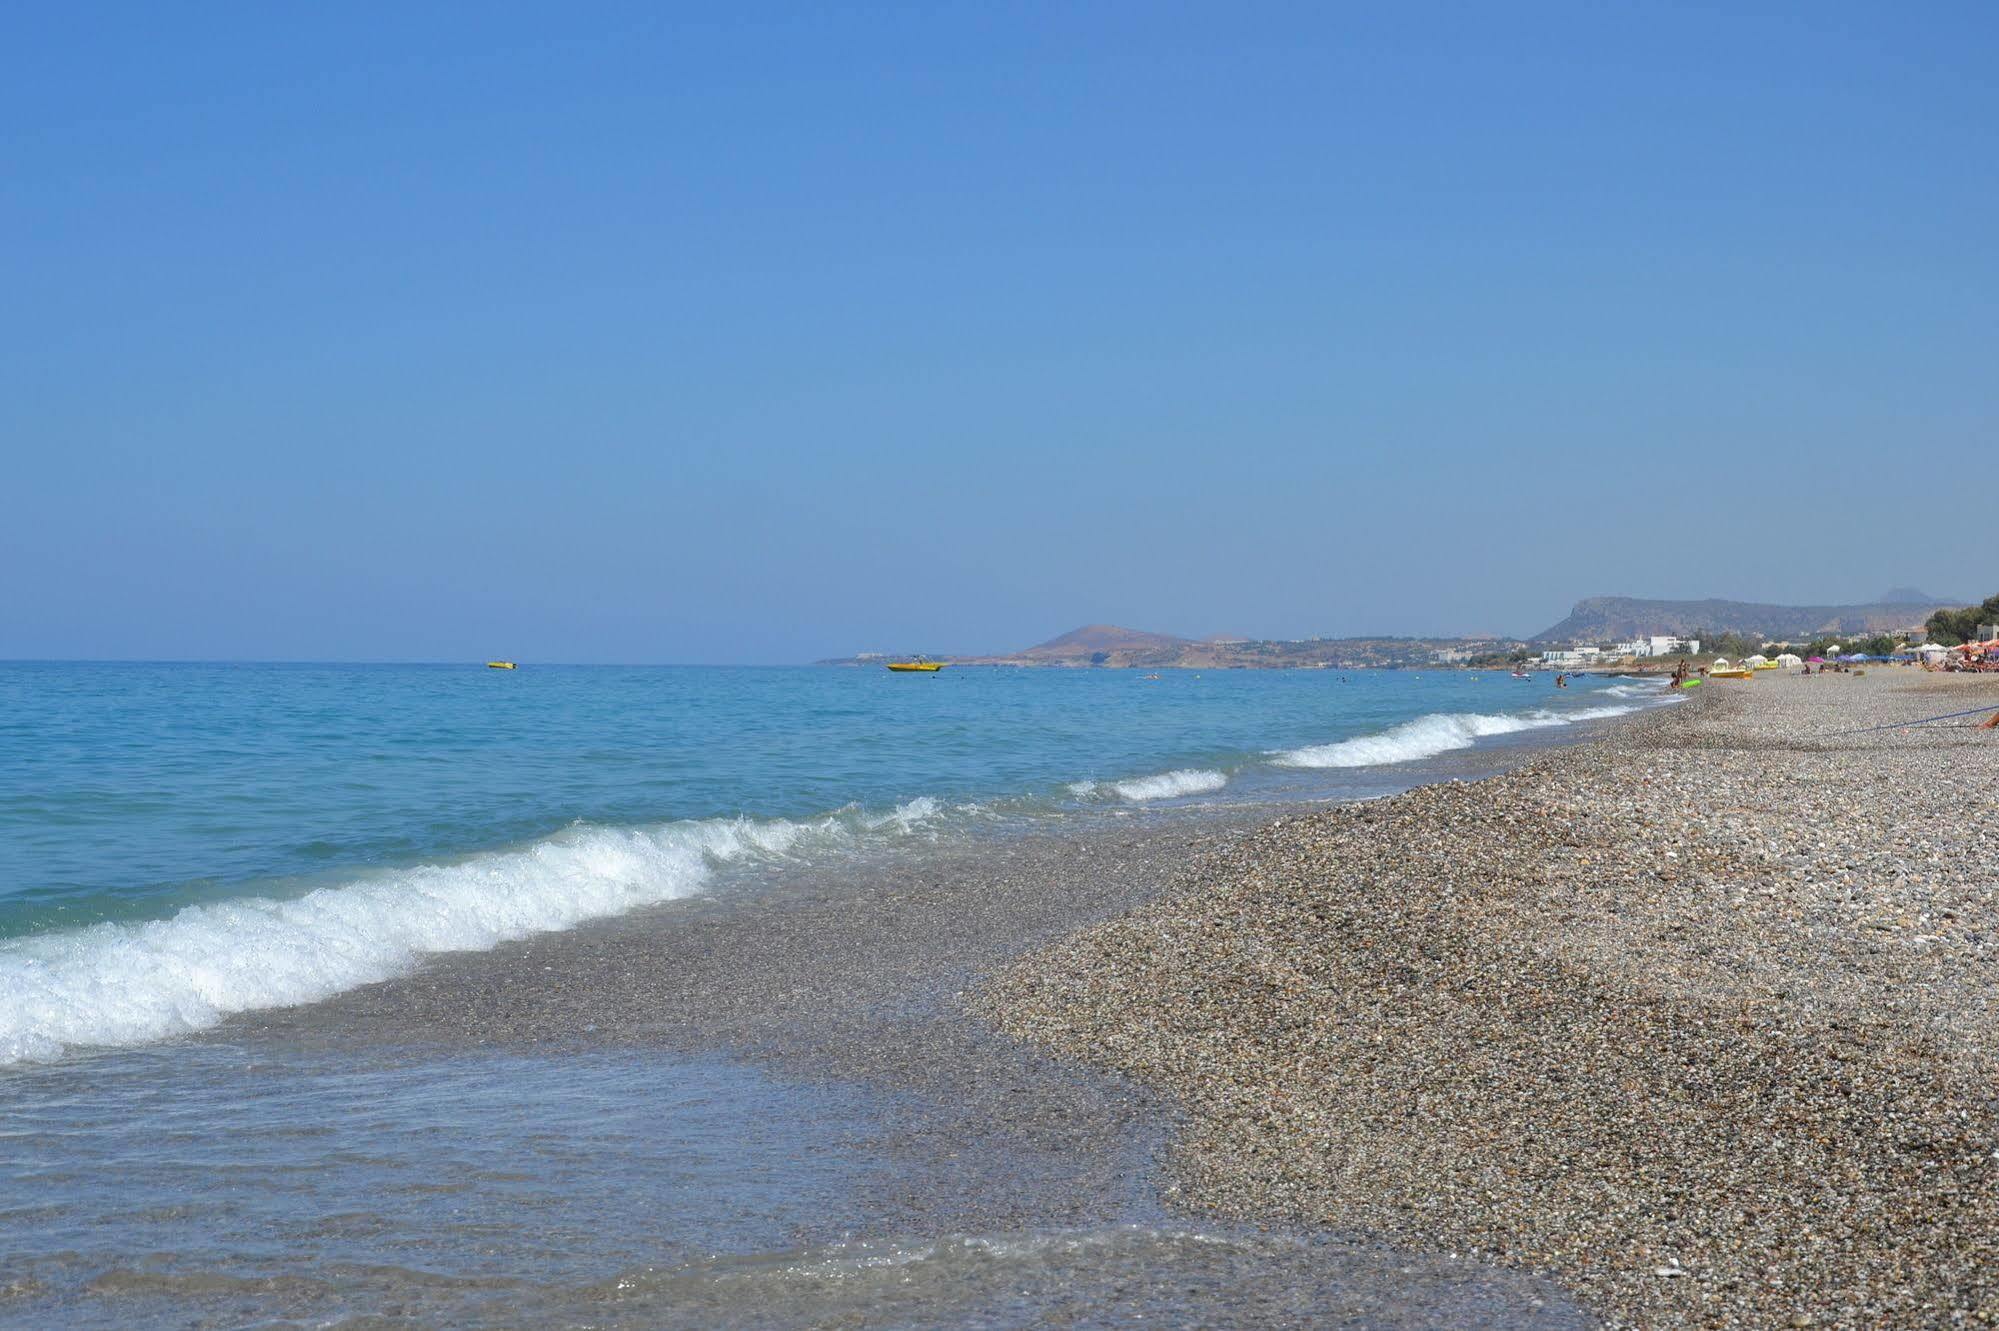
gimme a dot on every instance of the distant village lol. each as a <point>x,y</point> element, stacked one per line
<point>1910,640</point>
<point>1600,633</point>
<point>1635,650</point>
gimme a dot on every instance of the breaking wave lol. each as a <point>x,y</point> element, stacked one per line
<point>131,983</point>
<point>1164,786</point>
<point>126,983</point>
<point>1428,736</point>
<point>1636,690</point>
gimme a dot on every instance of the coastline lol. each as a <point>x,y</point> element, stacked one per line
<point>769,1109</point>
<point>848,1038</point>
<point>1695,1016</point>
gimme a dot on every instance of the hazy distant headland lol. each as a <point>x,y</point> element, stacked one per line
<point>1110,647</point>
<point>1612,617</point>
<point>1593,619</point>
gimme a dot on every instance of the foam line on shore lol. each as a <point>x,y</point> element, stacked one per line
<point>114,984</point>
<point>1438,732</point>
<point>125,983</point>
<point>1160,786</point>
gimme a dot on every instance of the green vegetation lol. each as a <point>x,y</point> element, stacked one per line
<point>1735,646</point>
<point>1731,645</point>
<point>1951,627</point>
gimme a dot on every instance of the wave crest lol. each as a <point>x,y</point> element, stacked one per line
<point>120,984</point>
<point>1428,736</point>
<point>1163,786</point>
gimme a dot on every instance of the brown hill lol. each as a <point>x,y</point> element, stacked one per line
<point>1107,644</point>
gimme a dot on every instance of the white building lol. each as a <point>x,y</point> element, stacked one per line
<point>1571,656</point>
<point>1667,645</point>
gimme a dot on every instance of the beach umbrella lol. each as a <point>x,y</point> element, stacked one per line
<point>1816,660</point>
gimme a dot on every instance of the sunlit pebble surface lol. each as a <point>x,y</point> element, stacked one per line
<point>1697,1017</point>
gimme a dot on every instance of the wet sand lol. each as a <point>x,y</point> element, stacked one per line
<point>1015,1187</point>
<point>555,1146</point>
<point>1698,1018</point>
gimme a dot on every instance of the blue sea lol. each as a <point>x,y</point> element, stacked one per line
<point>183,844</point>
<point>179,842</point>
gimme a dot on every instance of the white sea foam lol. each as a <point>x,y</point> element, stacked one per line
<point>121,984</point>
<point>1163,786</point>
<point>1428,736</point>
<point>1170,785</point>
<point>911,816</point>
<point>1596,713</point>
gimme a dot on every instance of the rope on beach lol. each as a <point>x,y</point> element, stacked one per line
<point>1903,725</point>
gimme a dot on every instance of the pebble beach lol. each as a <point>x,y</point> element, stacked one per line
<point>1696,1018</point>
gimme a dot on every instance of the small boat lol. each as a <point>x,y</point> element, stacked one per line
<point>501,665</point>
<point>1740,672</point>
<point>916,667</point>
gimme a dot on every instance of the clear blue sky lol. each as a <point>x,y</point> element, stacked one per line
<point>758,333</point>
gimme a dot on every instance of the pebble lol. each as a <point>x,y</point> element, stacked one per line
<point>1719,984</point>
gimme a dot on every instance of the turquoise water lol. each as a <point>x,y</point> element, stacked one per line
<point>182,841</point>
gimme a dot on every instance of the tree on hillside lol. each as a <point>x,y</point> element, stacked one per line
<point>1951,627</point>
<point>1729,644</point>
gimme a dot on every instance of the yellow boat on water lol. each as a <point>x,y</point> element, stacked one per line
<point>912,667</point>
<point>501,665</point>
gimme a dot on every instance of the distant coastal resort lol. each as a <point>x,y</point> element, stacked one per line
<point>1602,633</point>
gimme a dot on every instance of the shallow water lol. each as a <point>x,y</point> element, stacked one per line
<point>594,1189</point>
<point>640,992</point>
<point>183,842</point>
<point>215,1175</point>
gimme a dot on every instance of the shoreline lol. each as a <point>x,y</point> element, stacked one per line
<point>857,978</point>
<point>1694,1017</point>
<point>836,984</point>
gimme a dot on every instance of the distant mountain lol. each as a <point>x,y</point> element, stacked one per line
<point>1111,647</point>
<point>1609,618</point>
<point>1107,644</point>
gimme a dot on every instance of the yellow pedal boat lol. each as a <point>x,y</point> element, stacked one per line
<point>1731,674</point>
<point>501,665</point>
